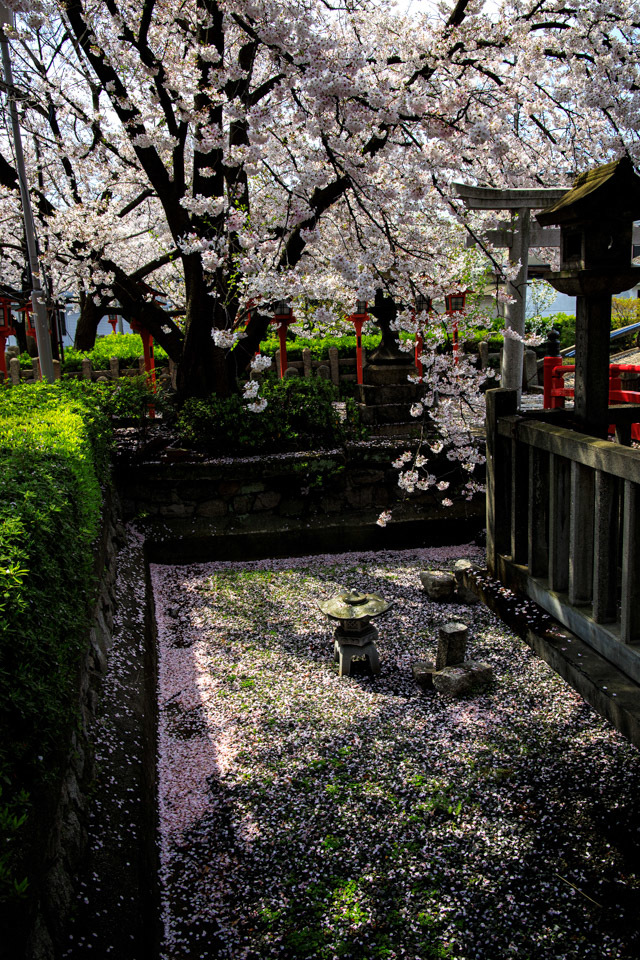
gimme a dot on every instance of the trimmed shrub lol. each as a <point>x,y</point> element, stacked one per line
<point>54,449</point>
<point>127,347</point>
<point>300,415</point>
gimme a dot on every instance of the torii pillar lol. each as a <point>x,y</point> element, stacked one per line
<point>518,239</point>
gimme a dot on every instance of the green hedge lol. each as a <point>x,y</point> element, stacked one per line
<point>127,347</point>
<point>300,415</point>
<point>54,449</point>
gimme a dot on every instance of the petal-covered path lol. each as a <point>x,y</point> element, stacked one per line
<point>303,815</point>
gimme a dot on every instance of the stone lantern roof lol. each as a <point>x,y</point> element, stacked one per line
<point>611,191</point>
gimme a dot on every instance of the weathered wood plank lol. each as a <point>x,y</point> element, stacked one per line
<point>590,451</point>
<point>630,607</point>
<point>593,321</point>
<point>500,403</point>
<point>581,534</point>
<point>605,548</point>
<point>604,639</point>
<point>538,513</point>
<point>519,497</point>
<point>559,514</point>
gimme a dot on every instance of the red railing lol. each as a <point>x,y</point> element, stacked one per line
<point>555,390</point>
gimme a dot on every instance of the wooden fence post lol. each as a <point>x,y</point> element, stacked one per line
<point>500,403</point>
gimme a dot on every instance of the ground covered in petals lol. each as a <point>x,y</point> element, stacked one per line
<point>303,815</point>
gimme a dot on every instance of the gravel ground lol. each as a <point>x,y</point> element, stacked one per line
<point>303,815</point>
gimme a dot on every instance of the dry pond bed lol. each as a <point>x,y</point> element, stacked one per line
<point>307,816</point>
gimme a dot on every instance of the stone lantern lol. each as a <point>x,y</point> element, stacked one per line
<point>596,242</point>
<point>355,636</point>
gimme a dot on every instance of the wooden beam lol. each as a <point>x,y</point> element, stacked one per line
<point>623,462</point>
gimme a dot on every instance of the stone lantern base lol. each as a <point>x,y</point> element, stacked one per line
<point>348,646</point>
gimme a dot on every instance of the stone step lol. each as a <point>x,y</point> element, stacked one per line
<point>384,375</point>
<point>392,430</point>
<point>392,393</point>
<point>385,413</point>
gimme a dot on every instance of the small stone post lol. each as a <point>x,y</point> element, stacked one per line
<point>57,370</point>
<point>334,364</point>
<point>14,371</point>
<point>142,370</point>
<point>114,367</point>
<point>173,373</point>
<point>306,362</point>
<point>277,359</point>
<point>452,644</point>
<point>86,369</point>
<point>483,353</point>
<point>35,363</point>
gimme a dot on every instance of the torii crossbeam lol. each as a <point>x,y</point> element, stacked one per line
<point>518,239</point>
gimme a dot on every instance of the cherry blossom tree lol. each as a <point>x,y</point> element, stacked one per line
<point>255,150</point>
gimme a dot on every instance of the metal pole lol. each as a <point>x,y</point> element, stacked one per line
<point>37,297</point>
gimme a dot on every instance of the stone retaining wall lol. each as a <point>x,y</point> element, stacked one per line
<point>282,492</point>
<point>62,833</point>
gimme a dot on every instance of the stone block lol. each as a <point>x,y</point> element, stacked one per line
<point>212,508</point>
<point>361,498</point>
<point>60,896</point>
<point>267,500</point>
<point>384,375</point>
<point>251,488</point>
<point>178,510</point>
<point>423,671</point>
<point>452,644</point>
<point>40,946</point>
<point>463,679</point>
<point>461,569</point>
<point>438,584</point>
<point>291,508</point>
<point>367,476</point>
<point>228,488</point>
<point>242,504</point>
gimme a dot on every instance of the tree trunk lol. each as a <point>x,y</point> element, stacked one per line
<point>90,316</point>
<point>202,370</point>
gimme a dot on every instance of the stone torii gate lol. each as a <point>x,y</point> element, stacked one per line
<point>522,235</point>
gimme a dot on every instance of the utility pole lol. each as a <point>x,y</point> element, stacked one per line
<point>37,296</point>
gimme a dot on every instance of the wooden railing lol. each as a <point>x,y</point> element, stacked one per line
<point>563,518</point>
<point>555,390</point>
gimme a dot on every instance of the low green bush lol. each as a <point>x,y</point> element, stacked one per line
<point>300,415</point>
<point>127,347</point>
<point>319,347</point>
<point>54,449</point>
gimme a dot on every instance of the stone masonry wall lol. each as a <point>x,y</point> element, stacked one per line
<point>62,826</point>
<point>279,491</point>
